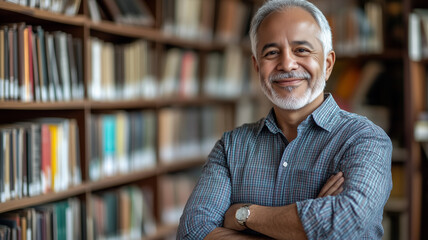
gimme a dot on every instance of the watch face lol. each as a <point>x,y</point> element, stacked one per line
<point>242,214</point>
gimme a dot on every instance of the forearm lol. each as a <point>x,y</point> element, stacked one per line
<point>221,233</point>
<point>276,222</point>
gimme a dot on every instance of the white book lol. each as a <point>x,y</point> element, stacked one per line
<point>415,40</point>
<point>95,81</point>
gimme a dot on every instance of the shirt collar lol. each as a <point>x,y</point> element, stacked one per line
<point>323,116</point>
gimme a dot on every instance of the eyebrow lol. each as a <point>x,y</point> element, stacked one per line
<point>298,42</point>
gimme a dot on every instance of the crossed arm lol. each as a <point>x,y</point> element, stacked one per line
<point>266,219</point>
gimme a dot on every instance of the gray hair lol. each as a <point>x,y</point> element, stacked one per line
<point>278,5</point>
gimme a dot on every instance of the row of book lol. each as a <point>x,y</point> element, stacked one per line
<point>122,142</point>
<point>175,190</point>
<point>59,220</point>
<point>229,74</point>
<point>356,29</point>
<point>36,65</point>
<point>180,74</point>
<point>121,71</point>
<point>124,213</point>
<point>190,133</point>
<point>38,157</point>
<point>418,34</point>
<point>196,19</point>
<point>130,12</point>
<point>67,7</point>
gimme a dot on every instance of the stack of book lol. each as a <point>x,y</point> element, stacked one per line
<point>38,157</point>
<point>229,74</point>
<point>121,71</point>
<point>190,133</point>
<point>39,66</point>
<point>59,220</point>
<point>122,142</point>
<point>180,74</point>
<point>175,191</point>
<point>125,213</point>
<point>67,7</point>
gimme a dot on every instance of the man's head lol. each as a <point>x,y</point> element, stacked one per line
<point>292,52</point>
<point>271,6</point>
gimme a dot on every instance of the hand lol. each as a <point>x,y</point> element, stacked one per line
<point>230,221</point>
<point>333,186</point>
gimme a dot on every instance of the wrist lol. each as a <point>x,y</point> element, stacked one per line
<point>242,215</point>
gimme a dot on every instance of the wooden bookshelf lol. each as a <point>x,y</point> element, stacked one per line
<point>159,40</point>
<point>83,28</point>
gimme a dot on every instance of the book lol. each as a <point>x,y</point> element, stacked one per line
<point>55,88</point>
<point>95,84</point>
<point>169,80</point>
<point>42,64</point>
<point>61,52</point>
<point>6,80</point>
<point>2,62</point>
<point>36,80</point>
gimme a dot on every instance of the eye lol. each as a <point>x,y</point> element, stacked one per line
<point>302,51</point>
<point>270,53</point>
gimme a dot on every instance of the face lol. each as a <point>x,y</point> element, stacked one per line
<point>290,59</point>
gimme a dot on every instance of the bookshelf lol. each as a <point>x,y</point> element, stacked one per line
<point>212,41</point>
<point>416,67</point>
<point>93,42</point>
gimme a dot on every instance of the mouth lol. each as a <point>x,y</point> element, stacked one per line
<point>290,82</point>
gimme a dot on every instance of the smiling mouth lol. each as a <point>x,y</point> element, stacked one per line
<point>288,82</point>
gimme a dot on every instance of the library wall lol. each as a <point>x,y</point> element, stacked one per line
<point>109,107</point>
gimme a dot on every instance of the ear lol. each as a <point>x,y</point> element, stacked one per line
<point>329,61</point>
<point>255,64</point>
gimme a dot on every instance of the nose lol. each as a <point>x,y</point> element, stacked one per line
<point>287,62</point>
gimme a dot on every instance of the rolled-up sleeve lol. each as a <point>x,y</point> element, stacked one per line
<point>209,200</point>
<point>366,165</point>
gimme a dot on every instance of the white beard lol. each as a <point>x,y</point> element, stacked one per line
<point>293,102</point>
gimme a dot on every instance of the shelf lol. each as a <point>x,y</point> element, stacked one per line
<point>5,7</point>
<point>181,165</point>
<point>125,30</point>
<point>15,105</point>
<point>121,179</point>
<point>42,199</point>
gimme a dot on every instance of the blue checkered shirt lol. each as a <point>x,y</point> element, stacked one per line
<point>256,164</point>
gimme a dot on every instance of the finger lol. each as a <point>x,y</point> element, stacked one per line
<point>335,186</point>
<point>337,192</point>
<point>330,182</point>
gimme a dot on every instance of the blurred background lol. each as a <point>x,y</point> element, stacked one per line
<point>109,108</point>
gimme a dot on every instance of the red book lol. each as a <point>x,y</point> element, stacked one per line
<point>46,159</point>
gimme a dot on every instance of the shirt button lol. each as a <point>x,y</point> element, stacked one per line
<point>285,164</point>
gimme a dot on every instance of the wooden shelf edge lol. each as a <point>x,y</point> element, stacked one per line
<point>78,20</point>
<point>17,204</point>
<point>125,30</point>
<point>15,105</point>
<point>181,165</point>
<point>125,178</point>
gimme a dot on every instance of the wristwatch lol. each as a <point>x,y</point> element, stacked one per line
<point>242,214</point>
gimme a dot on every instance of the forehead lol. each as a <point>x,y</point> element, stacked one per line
<point>291,24</point>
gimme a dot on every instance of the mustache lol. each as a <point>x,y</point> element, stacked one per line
<point>285,75</point>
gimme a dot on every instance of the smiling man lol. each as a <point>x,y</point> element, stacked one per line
<point>272,178</point>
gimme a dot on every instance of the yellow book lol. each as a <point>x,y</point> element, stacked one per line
<point>54,143</point>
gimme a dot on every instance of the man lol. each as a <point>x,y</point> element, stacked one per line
<point>262,179</point>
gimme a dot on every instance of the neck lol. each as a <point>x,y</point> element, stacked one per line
<point>289,120</point>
